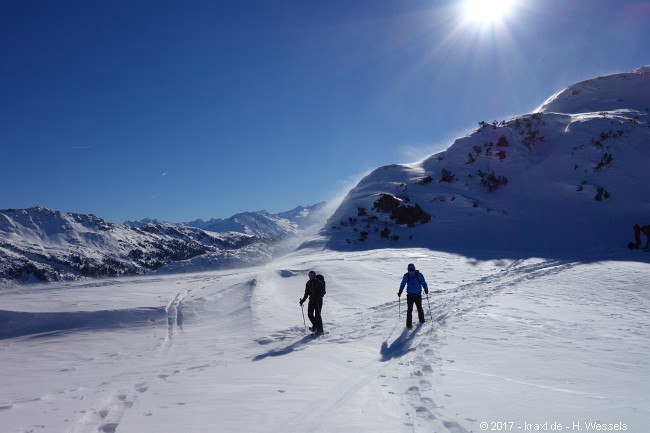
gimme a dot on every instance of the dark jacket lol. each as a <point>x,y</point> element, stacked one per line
<point>314,289</point>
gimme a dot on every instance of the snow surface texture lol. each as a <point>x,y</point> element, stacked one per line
<point>525,342</point>
<point>571,177</point>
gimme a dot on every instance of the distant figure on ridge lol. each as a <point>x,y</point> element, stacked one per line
<point>414,282</point>
<point>315,291</point>
<point>646,231</point>
<point>637,236</point>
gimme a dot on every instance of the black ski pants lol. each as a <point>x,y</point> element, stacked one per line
<point>410,300</point>
<point>313,312</point>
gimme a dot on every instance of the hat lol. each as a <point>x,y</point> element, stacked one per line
<point>312,273</point>
<point>411,267</point>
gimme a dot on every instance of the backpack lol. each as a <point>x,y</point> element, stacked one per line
<point>320,287</point>
<point>417,277</point>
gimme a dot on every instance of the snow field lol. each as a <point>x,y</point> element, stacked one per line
<point>570,347</point>
<point>525,341</point>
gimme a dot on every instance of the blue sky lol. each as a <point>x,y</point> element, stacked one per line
<point>180,110</point>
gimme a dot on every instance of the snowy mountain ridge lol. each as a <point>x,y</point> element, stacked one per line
<point>568,177</point>
<point>265,225</point>
<point>40,244</point>
<point>301,217</point>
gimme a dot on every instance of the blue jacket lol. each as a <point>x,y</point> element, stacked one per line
<point>414,284</point>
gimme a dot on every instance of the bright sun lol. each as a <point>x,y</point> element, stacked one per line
<point>487,12</point>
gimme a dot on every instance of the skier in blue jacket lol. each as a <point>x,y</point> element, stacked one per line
<point>414,282</point>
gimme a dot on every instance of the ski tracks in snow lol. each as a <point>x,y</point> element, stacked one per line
<point>407,360</point>
<point>417,360</point>
<point>174,314</point>
<point>106,415</point>
<point>401,375</point>
<point>468,296</point>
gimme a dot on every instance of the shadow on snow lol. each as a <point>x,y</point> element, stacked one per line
<point>41,324</point>
<point>400,346</point>
<point>286,350</point>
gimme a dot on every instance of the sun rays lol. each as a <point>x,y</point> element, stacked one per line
<point>487,13</point>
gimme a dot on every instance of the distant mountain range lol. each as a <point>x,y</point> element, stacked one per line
<point>264,225</point>
<point>39,244</point>
<point>571,176</point>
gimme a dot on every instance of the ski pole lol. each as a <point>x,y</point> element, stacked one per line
<point>303,315</point>
<point>400,308</point>
<point>430,315</point>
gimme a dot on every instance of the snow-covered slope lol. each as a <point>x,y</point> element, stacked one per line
<point>518,345</point>
<point>40,244</point>
<point>265,225</point>
<point>571,177</point>
<point>306,216</point>
<point>260,224</point>
<point>611,92</point>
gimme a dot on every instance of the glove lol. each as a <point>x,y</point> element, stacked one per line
<point>399,294</point>
<point>426,291</point>
<point>300,302</point>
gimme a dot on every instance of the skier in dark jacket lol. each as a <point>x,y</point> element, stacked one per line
<point>315,291</point>
<point>637,235</point>
<point>414,282</point>
<point>646,231</point>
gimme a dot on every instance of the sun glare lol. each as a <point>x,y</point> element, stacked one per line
<point>487,12</point>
